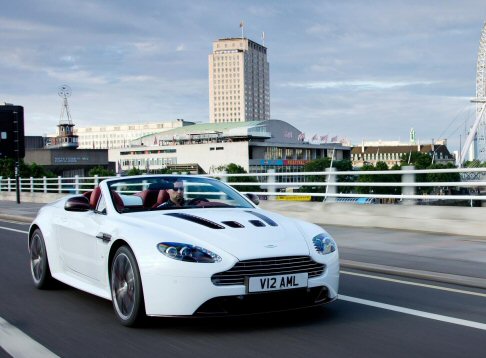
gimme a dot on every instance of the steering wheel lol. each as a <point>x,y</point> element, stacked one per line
<point>197,200</point>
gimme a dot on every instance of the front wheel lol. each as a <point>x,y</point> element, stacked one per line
<point>126,288</point>
<point>39,265</point>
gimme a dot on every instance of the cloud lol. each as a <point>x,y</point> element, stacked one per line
<point>180,48</point>
<point>357,85</point>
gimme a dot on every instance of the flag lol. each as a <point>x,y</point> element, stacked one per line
<point>324,138</point>
<point>314,137</point>
<point>334,139</point>
<point>301,136</point>
<point>241,24</point>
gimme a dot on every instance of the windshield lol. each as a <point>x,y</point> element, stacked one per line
<point>173,193</point>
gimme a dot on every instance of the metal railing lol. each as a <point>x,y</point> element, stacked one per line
<point>327,187</point>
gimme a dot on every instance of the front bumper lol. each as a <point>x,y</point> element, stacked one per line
<point>184,296</point>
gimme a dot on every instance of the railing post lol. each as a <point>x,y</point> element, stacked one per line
<point>31,184</point>
<point>330,189</point>
<point>59,184</point>
<point>408,190</point>
<point>96,180</point>
<point>9,185</point>
<point>76,184</point>
<point>44,183</point>
<point>224,179</point>
<point>271,188</point>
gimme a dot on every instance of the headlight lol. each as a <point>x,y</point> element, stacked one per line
<point>186,252</point>
<point>324,244</point>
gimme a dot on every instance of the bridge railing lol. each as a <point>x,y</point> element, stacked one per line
<point>320,185</point>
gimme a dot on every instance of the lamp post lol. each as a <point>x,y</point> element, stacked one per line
<point>17,158</point>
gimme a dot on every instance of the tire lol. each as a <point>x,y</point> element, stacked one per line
<point>39,264</point>
<point>126,288</point>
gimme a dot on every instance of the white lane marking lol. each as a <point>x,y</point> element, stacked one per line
<point>14,222</point>
<point>19,345</point>
<point>472,293</point>
<point>437,317</point>
<point>10,229</point>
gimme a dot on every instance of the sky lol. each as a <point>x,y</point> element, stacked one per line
<point>360,70</point>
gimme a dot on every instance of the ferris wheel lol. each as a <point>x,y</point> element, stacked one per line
<point>478,129</point>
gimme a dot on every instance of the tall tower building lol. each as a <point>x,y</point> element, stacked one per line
<point>239,82</point>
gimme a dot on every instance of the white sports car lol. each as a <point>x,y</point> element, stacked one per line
<point>162,245</point>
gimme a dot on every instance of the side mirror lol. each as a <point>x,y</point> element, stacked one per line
<point>77,203</point>
<point>253,197</point>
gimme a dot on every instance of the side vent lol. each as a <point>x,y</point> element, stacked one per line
<point>197,220</point>
<point>263,217</point>
<point>234,224</point>
<point>257,223</point>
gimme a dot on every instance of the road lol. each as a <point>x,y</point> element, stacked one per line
<point>70,323</point>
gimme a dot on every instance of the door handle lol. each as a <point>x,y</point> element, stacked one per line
<point>103,236</point>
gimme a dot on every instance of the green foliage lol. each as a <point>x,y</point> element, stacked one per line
<point>233,168</point>
<point>7,169</point>
<point>101,172</point>
<point>474,164</point>
<point>442,177</point>
<point>320,165</point>
<point>418,159</point>
<point>134,171</point>
<point>383,178</point>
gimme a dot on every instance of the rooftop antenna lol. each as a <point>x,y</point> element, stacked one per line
<point>242,27</point>
<point>64,92</point>
<point>263,38</point>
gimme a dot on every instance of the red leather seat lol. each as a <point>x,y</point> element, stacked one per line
<point>117,201</point>
<point>94,197</point>
<point>149,197</point>
<point>161,198</point>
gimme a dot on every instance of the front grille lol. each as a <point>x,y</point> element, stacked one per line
<point>267,267</point>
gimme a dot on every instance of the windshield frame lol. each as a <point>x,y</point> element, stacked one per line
<point>129,190</point>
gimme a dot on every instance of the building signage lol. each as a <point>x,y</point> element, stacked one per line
<point>70,160</point>
<point>280,162</point>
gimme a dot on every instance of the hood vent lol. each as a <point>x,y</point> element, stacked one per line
<point>257,223</point>
<point>263,217</point>
<point>234,224</point>
<point>197,220</point>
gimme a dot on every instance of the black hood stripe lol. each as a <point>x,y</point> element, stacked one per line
<point>197,220</point>
<point>263,217</point>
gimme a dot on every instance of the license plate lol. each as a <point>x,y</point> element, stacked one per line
<point>278,282</point>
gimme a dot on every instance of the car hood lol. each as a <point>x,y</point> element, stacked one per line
<point>243,233</point>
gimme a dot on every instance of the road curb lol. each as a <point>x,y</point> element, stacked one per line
<point>474,282</point>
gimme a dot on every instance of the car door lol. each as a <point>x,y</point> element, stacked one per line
<point>80,249</point>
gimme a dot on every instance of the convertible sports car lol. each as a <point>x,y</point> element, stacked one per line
<point>162,245</point>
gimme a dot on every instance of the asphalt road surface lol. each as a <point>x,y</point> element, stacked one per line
<point>376,316</point>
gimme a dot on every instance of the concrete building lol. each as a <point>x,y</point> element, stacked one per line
<point>239,81</point>
<point>69,162</point>
<point>391,152</point>
<point>256,146</point>
<point>120,135</point>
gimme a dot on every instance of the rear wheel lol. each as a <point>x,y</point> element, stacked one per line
<point>126,288</point>
<point>39,265</point>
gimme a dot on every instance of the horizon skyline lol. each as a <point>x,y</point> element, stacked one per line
<point>332,71</point>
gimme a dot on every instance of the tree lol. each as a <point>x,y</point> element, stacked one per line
<point>320,165</point>
<point>101,172</point>
<point>134,171</point>
<point>233,168</point>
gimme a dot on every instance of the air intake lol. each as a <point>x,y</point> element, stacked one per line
<point>197,220</point>
<point>263,217</point>
<point>234,224</point>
